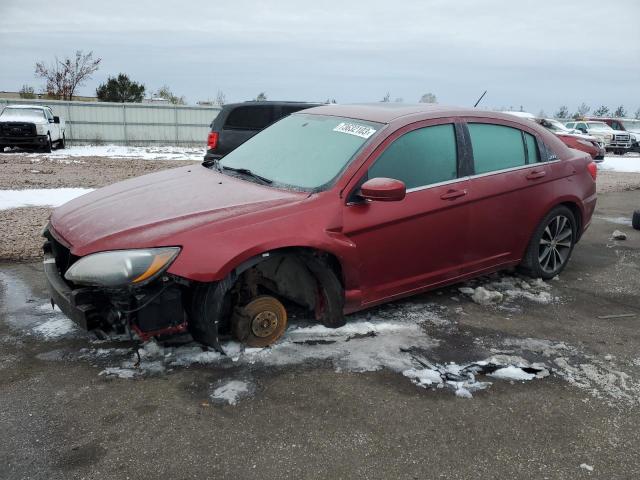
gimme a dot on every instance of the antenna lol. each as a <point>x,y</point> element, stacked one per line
<point>481,97</point>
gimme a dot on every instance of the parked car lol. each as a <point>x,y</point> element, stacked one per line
<point>630,125</point>
<point>331,210</point>
<point>31,126</point>
<point>616,141</point>
<point>574,138</point>
<point>238,122</point>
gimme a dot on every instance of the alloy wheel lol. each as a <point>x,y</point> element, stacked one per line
<point>555,244</point>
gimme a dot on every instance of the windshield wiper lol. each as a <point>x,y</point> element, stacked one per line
<point>248,173</point>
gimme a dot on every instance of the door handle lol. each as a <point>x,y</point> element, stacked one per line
<point>453,194</point>
<point>536,174</point>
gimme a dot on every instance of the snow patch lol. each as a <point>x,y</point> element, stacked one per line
<point>620,164</point>
<point>55,328</point>
<point>121,151</point>
<point>230,392</point>
<point>52,197</point>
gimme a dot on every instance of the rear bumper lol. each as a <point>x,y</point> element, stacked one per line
<point>212,156</point>
<point>73,303</point>
<point>33,140</point>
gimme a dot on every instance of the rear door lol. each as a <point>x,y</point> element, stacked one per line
<point>420,241</point>
<point>242,123</point>
<point>509,190</point>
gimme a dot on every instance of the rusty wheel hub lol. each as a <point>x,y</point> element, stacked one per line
<point>261,322</point>
<point>264,324</point>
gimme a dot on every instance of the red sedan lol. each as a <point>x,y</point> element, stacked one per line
<point>331,210</point>
<point>575,139</point>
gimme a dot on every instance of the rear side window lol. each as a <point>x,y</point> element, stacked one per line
<point>496,147</point>
<point>420,157</point>
<point>250,117</point>
<point>533,154</point>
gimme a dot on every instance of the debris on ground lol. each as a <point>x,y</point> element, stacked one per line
<point>586,467</point>
<point>618,235</point>
<point>497,289</point>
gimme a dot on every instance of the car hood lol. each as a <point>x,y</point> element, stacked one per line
<point>22,119</point>
<point>578,135</point>
<point>147,211</point>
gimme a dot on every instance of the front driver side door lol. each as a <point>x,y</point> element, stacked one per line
<point>407,245</point>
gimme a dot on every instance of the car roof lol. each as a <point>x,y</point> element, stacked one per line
<point>27,106</point>
<point>270,103</point>
<point>389,112</point>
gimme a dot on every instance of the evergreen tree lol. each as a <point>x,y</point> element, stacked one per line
<point>120,89</point>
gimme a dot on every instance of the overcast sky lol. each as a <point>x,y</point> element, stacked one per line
<point>539,54</point>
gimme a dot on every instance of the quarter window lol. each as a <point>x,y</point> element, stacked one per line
<point>421,157</point>
<point>496,147</point>
<point>533,154</point>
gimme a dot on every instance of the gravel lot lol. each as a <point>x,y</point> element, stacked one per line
<point>20,239</point>
<point>20,236</point>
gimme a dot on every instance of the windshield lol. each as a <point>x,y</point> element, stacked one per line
<point>598,126</point>
<point>631,124</point>
<point>302,151</point>
<point>22,112</point>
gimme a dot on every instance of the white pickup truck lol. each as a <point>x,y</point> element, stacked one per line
<point>31,126</point>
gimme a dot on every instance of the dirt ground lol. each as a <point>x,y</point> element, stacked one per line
<point>20,236</point>
<point>20,233</point>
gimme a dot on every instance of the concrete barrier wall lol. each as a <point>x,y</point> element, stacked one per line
<point>129,123</point>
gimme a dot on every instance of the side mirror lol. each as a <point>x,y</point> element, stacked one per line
<point>56,119</point>
<point>383,190</point>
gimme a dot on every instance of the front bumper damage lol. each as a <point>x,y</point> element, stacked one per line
<point>152,310</point>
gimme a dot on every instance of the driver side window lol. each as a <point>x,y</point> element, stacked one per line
<point>420,157</point>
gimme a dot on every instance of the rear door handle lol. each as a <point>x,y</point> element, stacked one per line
<point>536,174</point>
<point>453,194</point>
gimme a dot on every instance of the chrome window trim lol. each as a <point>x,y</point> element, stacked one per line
<point>512,169</point>
<point>439,184</point>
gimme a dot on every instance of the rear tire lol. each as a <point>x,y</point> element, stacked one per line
<point>635,220</point>
<point>551,244</point>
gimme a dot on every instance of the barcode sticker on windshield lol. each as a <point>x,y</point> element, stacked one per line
<point>354,129</point>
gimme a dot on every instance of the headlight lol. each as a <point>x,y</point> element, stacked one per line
<point>119,268</point>
<point>608,136</point>
<point>40,130</point>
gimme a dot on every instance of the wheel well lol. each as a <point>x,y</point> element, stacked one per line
<point>577,216</point>
<point>307,277</point>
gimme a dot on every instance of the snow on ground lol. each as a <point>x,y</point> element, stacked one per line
<point>505,289</point>
<point>121,151</point>
<point>621,163</point>
<point>231,391</point>
<point>36,197</point>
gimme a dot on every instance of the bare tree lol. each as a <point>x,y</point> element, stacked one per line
<point>602,111</point>
<point>583,109</point>
<point>262,96</point>
<point>563,112</point>
<point>166,93</point>
<point>27,91</point>
<point>637,113</point>
<point>620,112</point>
<point>64,76</point>
<point>221,98</point>
<point>428,98</point>
<point>399,100</point>
<point>386,98</point>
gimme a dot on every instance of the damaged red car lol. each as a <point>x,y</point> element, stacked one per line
<point>332,210</point>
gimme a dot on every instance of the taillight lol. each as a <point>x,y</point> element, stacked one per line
<point>212,140</point>
<point>593,169</point>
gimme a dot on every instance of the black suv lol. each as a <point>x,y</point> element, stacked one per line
<point>238,122</point>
